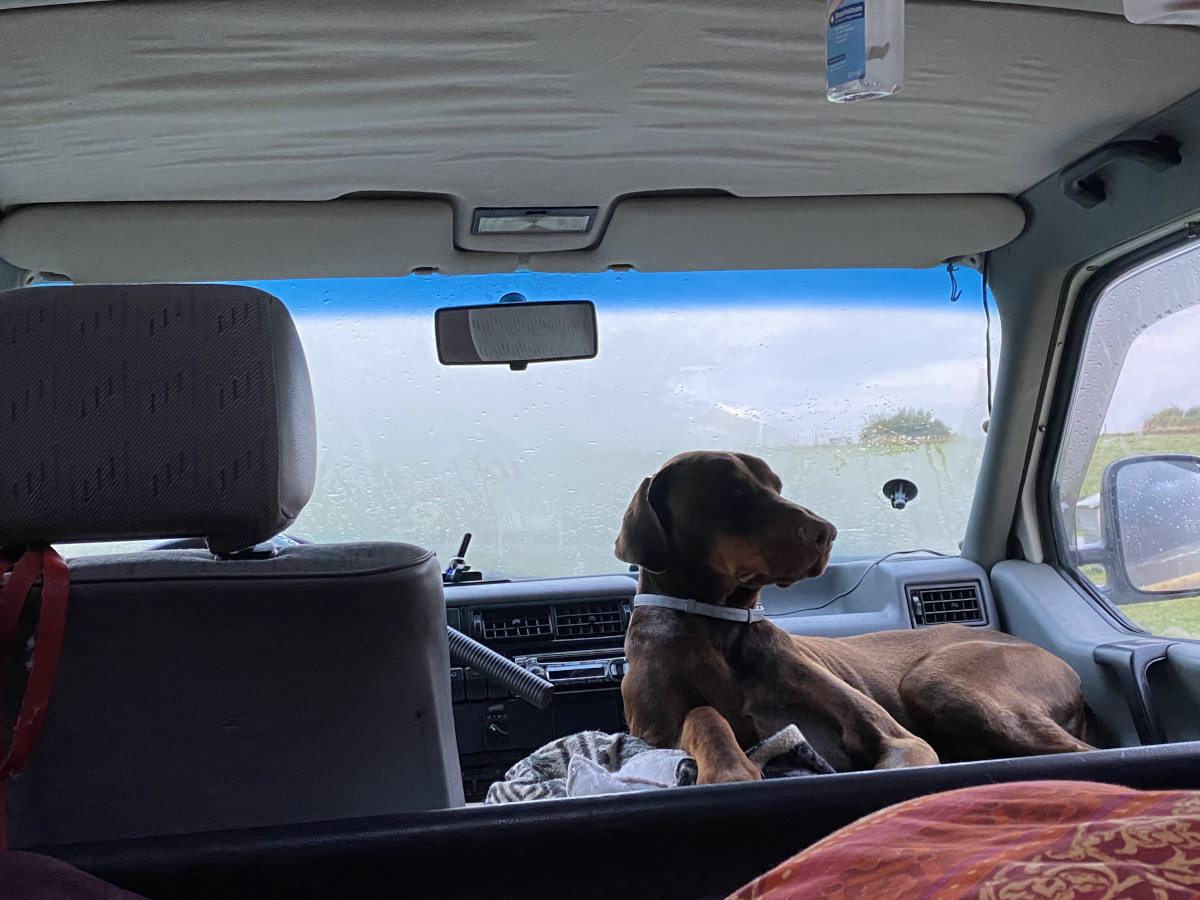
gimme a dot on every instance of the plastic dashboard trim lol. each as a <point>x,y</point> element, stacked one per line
<point>684,843</point>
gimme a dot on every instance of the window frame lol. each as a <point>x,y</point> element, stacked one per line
<point>1090,282</point>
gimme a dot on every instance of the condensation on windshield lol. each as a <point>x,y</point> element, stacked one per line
<point>841,381</point>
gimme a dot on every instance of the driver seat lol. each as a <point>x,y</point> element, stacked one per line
<point>244,684</point>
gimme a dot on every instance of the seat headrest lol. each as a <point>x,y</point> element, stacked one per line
<point>152,411</point>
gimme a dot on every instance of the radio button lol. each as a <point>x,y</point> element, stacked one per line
<point>476,685</point>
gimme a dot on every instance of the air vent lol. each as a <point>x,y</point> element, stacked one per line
<point>512,622</point>
<point>595,618</point>
<point>946,603</point>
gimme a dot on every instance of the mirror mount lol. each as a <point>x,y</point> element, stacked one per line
<point>514,297</point>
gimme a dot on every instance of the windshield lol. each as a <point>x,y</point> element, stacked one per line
<point>840,380</point>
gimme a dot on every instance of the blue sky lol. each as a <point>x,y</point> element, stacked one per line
<point>633,290</point>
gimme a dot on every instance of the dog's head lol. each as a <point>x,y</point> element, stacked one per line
<point>714,523</point>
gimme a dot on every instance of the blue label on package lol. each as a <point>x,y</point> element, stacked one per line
<point>846,44</point>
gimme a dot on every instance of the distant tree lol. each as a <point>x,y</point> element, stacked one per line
<point>1172,419</point>
<point>907,428</point>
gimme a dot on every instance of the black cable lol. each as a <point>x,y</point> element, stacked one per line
<point>866,571</point>
<point>987,335</point>
<point>955,293</point>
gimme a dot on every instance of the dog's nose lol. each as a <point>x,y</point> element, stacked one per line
<point>820,532</point>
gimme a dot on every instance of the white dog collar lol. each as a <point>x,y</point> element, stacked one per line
<point>696,608</point>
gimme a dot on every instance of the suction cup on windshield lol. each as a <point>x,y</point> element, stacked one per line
<point>900,491</point>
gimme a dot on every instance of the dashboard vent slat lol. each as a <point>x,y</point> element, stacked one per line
<point>593,618</point>
<point>944,603</point>
<point>513,622</point>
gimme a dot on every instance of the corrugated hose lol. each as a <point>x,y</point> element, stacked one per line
<point>467,652</point>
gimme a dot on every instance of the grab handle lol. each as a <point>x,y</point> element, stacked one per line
<point>1082,182</point>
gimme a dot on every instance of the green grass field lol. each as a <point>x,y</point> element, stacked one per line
<point>1178,618</point>
<point>1112,447</point>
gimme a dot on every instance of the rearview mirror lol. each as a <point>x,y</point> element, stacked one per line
<point>1152,522</point>
<point>515,334</point>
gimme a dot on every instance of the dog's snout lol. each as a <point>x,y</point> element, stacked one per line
<point>818,532</point>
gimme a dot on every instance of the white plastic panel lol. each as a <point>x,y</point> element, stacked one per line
<point>348,238</point>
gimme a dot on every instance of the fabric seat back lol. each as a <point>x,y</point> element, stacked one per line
<point>204,689</point>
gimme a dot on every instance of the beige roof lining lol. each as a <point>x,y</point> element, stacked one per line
<point>217,241</point>
<point>552,102</point>
<point>1112,7</point>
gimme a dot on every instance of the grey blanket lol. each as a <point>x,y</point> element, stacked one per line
<point>593,762</point>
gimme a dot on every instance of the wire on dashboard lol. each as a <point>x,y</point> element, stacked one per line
<point>866,571</point>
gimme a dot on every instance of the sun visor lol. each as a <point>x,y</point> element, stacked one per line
<point>691,234</point>
<point>159,242</point>
<point>147,242</point>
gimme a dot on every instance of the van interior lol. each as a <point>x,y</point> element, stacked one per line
<point>319,580</point>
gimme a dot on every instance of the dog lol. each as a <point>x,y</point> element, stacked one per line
<point>712,528</point>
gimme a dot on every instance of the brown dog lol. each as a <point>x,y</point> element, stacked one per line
<point>712,527</point>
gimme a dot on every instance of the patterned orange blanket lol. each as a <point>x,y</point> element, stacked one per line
<point>1041,840</point>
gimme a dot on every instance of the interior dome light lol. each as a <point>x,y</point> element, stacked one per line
<point>555,220</point>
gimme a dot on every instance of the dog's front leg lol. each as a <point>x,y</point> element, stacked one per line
<point>864,734</point>
<point>659,714</point>
<point>708,738</point>
<point>786,684</point>
<point>902,751</point>
<point>870,737</point>
<point>679,692</point>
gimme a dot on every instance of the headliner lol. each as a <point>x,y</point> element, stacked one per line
<point>564,102</point>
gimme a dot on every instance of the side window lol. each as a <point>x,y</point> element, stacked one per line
<point>1127,479</point>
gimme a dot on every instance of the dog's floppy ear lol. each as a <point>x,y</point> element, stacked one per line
<point>643,540</point>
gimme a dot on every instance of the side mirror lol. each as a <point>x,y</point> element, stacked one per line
<point>515,333</point>
<point>1150,506</point>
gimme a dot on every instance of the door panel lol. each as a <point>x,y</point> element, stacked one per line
<point>1175,686</point>
<point>1039,604</point>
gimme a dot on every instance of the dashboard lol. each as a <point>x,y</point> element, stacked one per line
<point>571,631</point>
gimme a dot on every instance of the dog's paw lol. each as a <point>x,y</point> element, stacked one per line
<point>729,773</point>
<point>907,752</point>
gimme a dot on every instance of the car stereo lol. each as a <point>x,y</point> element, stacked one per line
<point>580,669</point>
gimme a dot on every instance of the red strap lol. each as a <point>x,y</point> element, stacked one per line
<point>12,598</point>
<point>47,645</point>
